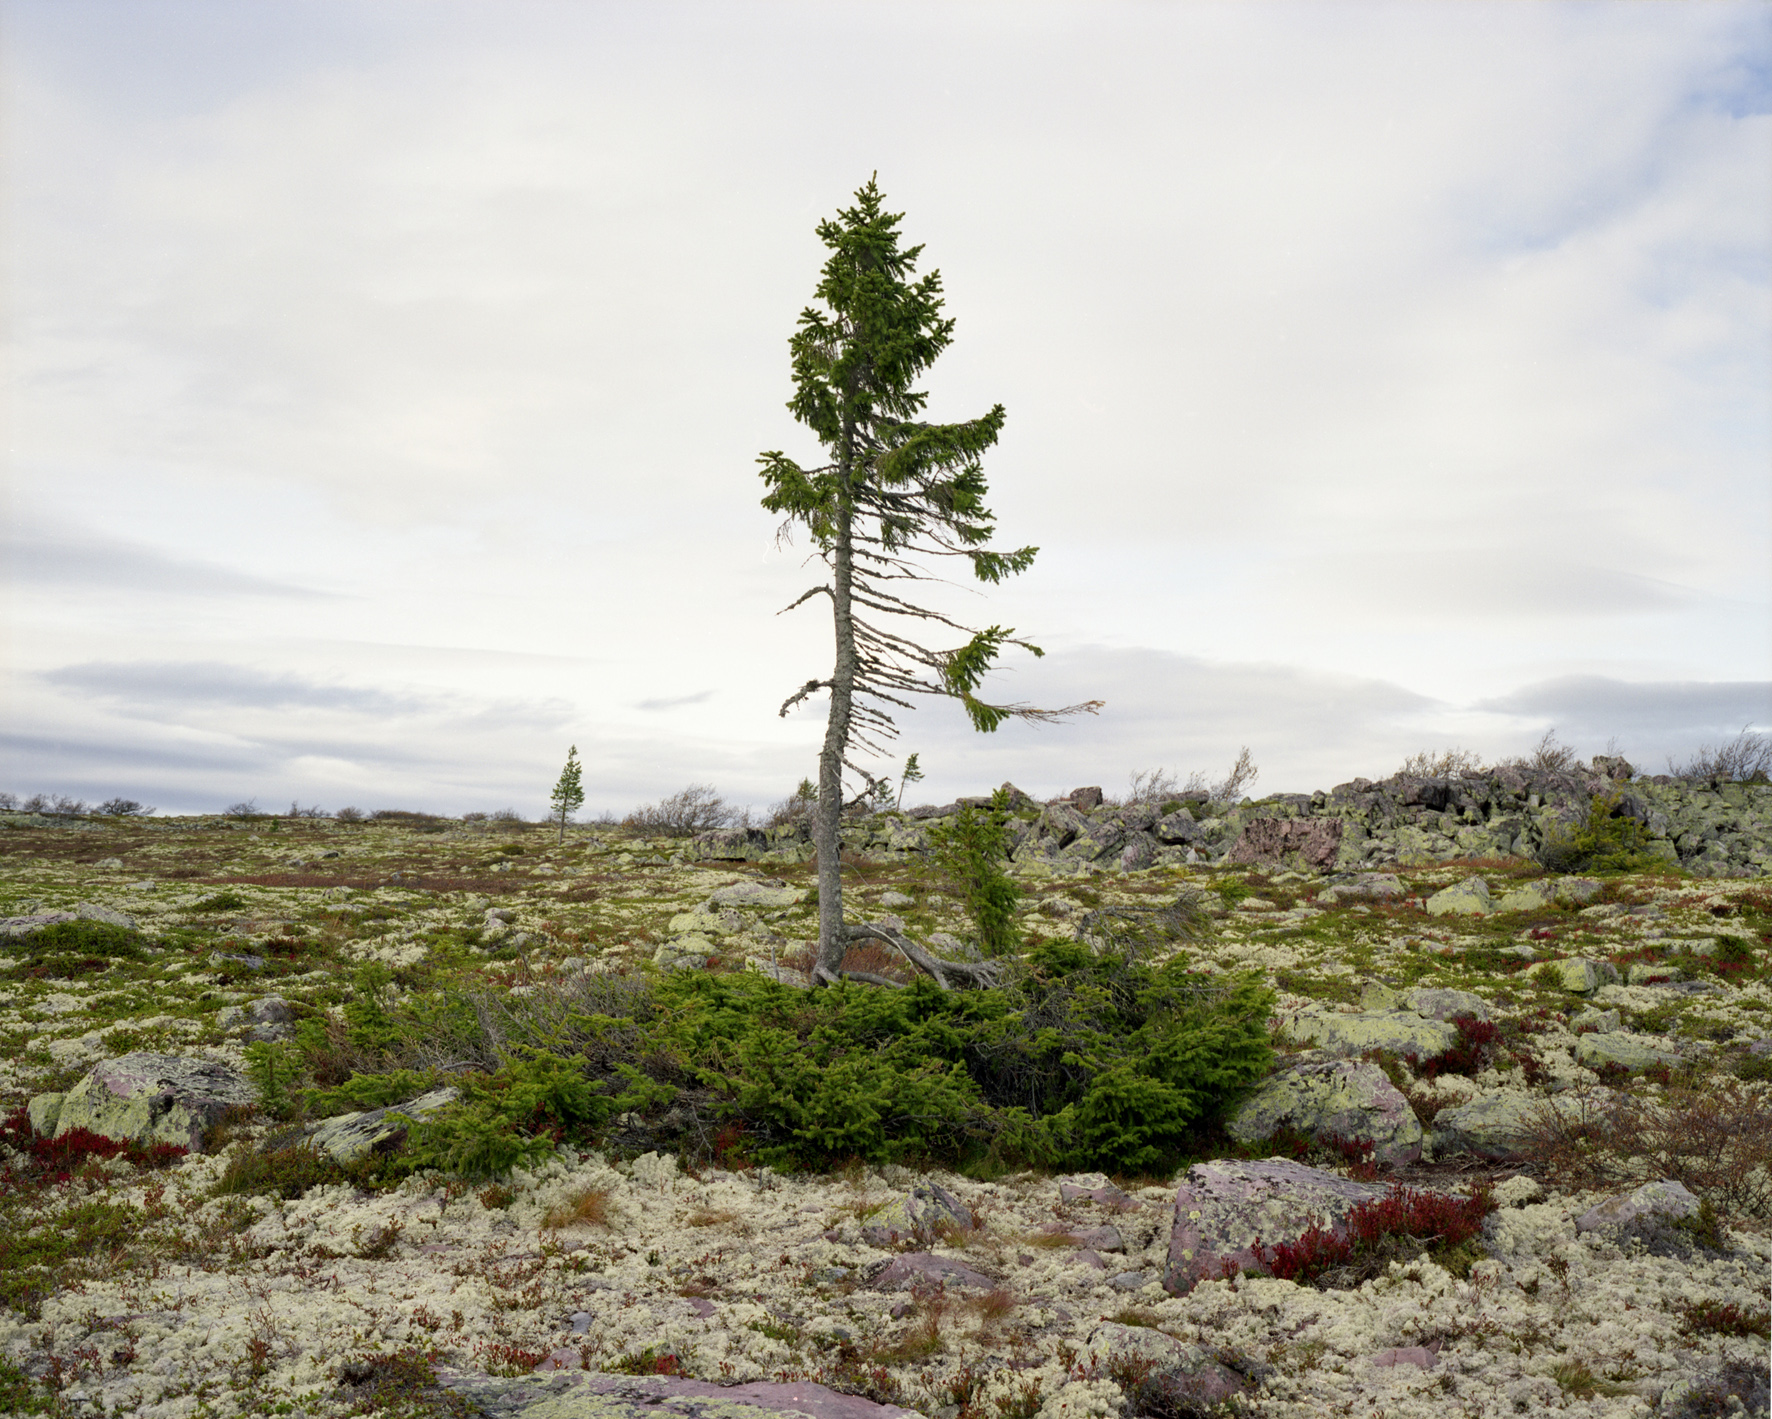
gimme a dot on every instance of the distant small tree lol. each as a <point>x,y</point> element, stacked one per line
<point>894,485</point>
<point>569,794</point>
<point>913,773</point>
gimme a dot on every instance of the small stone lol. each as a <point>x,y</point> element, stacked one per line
<point>1131,1280</point>
<point>1578,891</point>
<point>111,863</point>
<point>1443,1004</point>
<point>923,1212</point>
<point>1418,1355</point>
<point>1663,1198</point>
<point>756,894</point>
<point>918,1269</point>
<point>897,899</point>
<point>1652,973</point>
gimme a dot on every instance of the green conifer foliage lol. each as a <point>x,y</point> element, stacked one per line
<point>569,794</point>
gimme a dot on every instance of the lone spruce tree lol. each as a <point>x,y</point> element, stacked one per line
<point>895,486</point>
<point>569,794</point>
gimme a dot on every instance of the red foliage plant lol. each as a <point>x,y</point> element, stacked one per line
<point>1402,1212</point>
<point>49,1162</point>
<point>1475,1037</point>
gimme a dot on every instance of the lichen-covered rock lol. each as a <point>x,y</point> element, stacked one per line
<point>1662,1198</point>
<point>154,1098</point>
<point>1180,1378</point>
<point>1401,1032</point>
<point>349,1137</point>
<point>44,1112</point>
<point>1601,1022</point>
<point>1528,897</point>
<point>1442,1004</point>
<point>1495,1125</point>
<point>922,1213</point>
<point>1094,1187</point>
<point>1653,973</point>
<point>1367,887</point>
<point>1578,891</point>
<point>757,894</point>
<point>1340,1097</point>
<point>1582,976</point>
<point>1467,898</point>
<point>1223,1208</point>
<point>1624,1049</point>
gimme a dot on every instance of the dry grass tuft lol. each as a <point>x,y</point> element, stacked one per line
<point>589,1208</point>
<point>1713,1135</point>
<point>1049,1241</point>
<point>711,1217</point>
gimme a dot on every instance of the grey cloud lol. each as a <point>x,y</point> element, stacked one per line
<point>701,697</point>
<point>1651,720</point>
<point>102,563</point>
<point>154,685</point>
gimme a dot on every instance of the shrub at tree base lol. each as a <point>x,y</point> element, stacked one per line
<point>1372,1229</point>
<point>1089,1061</point>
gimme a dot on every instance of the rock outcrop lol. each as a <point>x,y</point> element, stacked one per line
<point>1711,829</point>
<point>153,1098</point>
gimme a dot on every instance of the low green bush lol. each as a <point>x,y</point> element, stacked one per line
<point>1606,841</point>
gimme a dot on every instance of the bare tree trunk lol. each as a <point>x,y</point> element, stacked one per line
<point>827,839</point>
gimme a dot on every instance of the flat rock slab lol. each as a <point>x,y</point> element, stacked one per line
<point>917,1269</point>
<point>154,1098</point>
<point>593,1395</point>
<point>349,1137</point>
<point>1402,1032</point>
<point>1497,1125</point>
<point>1624,1049</point>
<point>1223,1208</point>
<point>1342,1098</point>
<point>1467,898</point>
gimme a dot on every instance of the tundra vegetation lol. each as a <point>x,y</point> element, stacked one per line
<point>659,1131</point>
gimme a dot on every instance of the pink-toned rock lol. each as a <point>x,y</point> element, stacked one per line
<point>567,1392</point>
<point>565,1358</point>
<point>1406,1355</point>
<point>1314,841</point>
<point>922,1268</point>
<point>1089,1258</point>
<point>1223,1208</point>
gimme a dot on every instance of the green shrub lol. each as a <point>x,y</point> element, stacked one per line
<point>1086,1061</point>
<point>516,1115</point>
<point>972,850</point>
<point>221,902</point>
<point>1606,841</point>
<point>370,1091</point>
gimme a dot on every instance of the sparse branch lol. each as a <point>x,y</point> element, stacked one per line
<point>811,687</point>
<point>803,598</point>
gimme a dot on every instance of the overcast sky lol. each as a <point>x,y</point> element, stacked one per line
<point>386,377</point>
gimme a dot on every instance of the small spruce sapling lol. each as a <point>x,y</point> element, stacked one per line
<point>912,774</point>
<point>569,793</point>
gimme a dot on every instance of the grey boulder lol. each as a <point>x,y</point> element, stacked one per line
<point>1223,1208</point>
<point>1333,1098</point>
